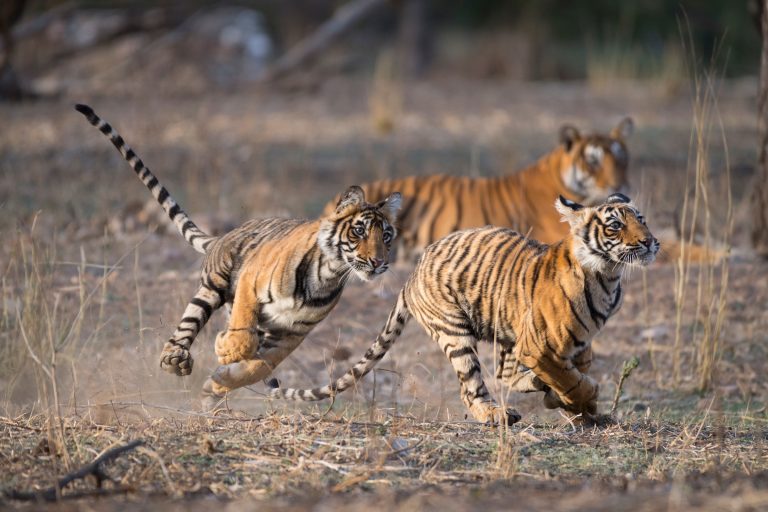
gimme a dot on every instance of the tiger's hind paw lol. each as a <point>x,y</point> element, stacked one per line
<point>242,373</point>
<point>212,396</point>
<point>511,416</point>
<point>506,417</point>
<point>495,415</point>
<point>176,359</point>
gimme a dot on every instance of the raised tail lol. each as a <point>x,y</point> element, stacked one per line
<point>188,229</point>
<point>398,317</point>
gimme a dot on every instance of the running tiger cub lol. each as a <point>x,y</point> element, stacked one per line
<point>584,169</point>
<point>543,305</point>
<point>280,277</point>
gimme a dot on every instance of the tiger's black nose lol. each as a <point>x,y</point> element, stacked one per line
<point>648,242</point>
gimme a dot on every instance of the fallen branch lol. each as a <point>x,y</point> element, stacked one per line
<point>343,20</point>
<point>94,469</point>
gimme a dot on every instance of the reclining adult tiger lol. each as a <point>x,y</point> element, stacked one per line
<point>582,168</point>
<point>279,276</point>
<point>542,305</point>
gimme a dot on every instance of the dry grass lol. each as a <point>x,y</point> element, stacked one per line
<point>96,308</point>
<point>708,293</point>
<point>275,455</point>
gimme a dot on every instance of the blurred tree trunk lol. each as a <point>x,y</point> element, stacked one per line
<point>415,37</point>
<point>10,12</point>
<point>760,195</point>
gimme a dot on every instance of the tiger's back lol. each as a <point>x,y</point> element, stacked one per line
<point>474,272</point>
<point>258,247</point>
<point>584,169</point>
<point>226,254</point>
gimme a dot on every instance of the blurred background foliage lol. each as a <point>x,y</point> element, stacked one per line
<point>522,39</point>
<point>569,31</point>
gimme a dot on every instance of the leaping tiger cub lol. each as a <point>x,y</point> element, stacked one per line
<point>542,304</point>
<point>280,276</point>
<point>585,168</point>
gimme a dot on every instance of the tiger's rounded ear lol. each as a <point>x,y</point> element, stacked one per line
<point>568,209</point>
<point>624,129</point>
<point>568,135</point>
<point>354,196</point>
<point>618,198</point>
<point>391,205</point>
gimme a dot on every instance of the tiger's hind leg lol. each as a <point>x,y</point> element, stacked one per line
<point>462,353</point>
<point>175,357</point>
<point>228,377</point>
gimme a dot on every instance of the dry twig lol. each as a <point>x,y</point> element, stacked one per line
<point>94,468</point>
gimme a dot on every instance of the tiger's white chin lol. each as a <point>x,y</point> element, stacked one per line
<point>367,275</point>
<point>640,260</point>
<point>646,259</point>
<point>598,264</point>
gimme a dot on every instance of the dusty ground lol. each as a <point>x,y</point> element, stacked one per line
<point>73,243</point>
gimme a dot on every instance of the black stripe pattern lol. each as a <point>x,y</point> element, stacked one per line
<point>188,229</point>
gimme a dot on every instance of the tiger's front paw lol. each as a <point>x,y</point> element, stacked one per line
<point>590,407</point>
<point>176,359</point>
<point>587,404</point>
<point>553,401</point>
<point>234,346</point>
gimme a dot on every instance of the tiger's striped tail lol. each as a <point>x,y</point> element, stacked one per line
<point>198,239</point>
<point>398,317</point>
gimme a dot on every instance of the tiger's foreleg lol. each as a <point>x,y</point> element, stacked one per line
<point>175,357</point>
<point>462,353</point>
<point>515,375</point>
<point>582,360</point>
<point>240,340</point>
<point>570,388</point>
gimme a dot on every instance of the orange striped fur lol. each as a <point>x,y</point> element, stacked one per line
<point>540,304</point>
<point>585,169</point>
<point>279,277</point>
